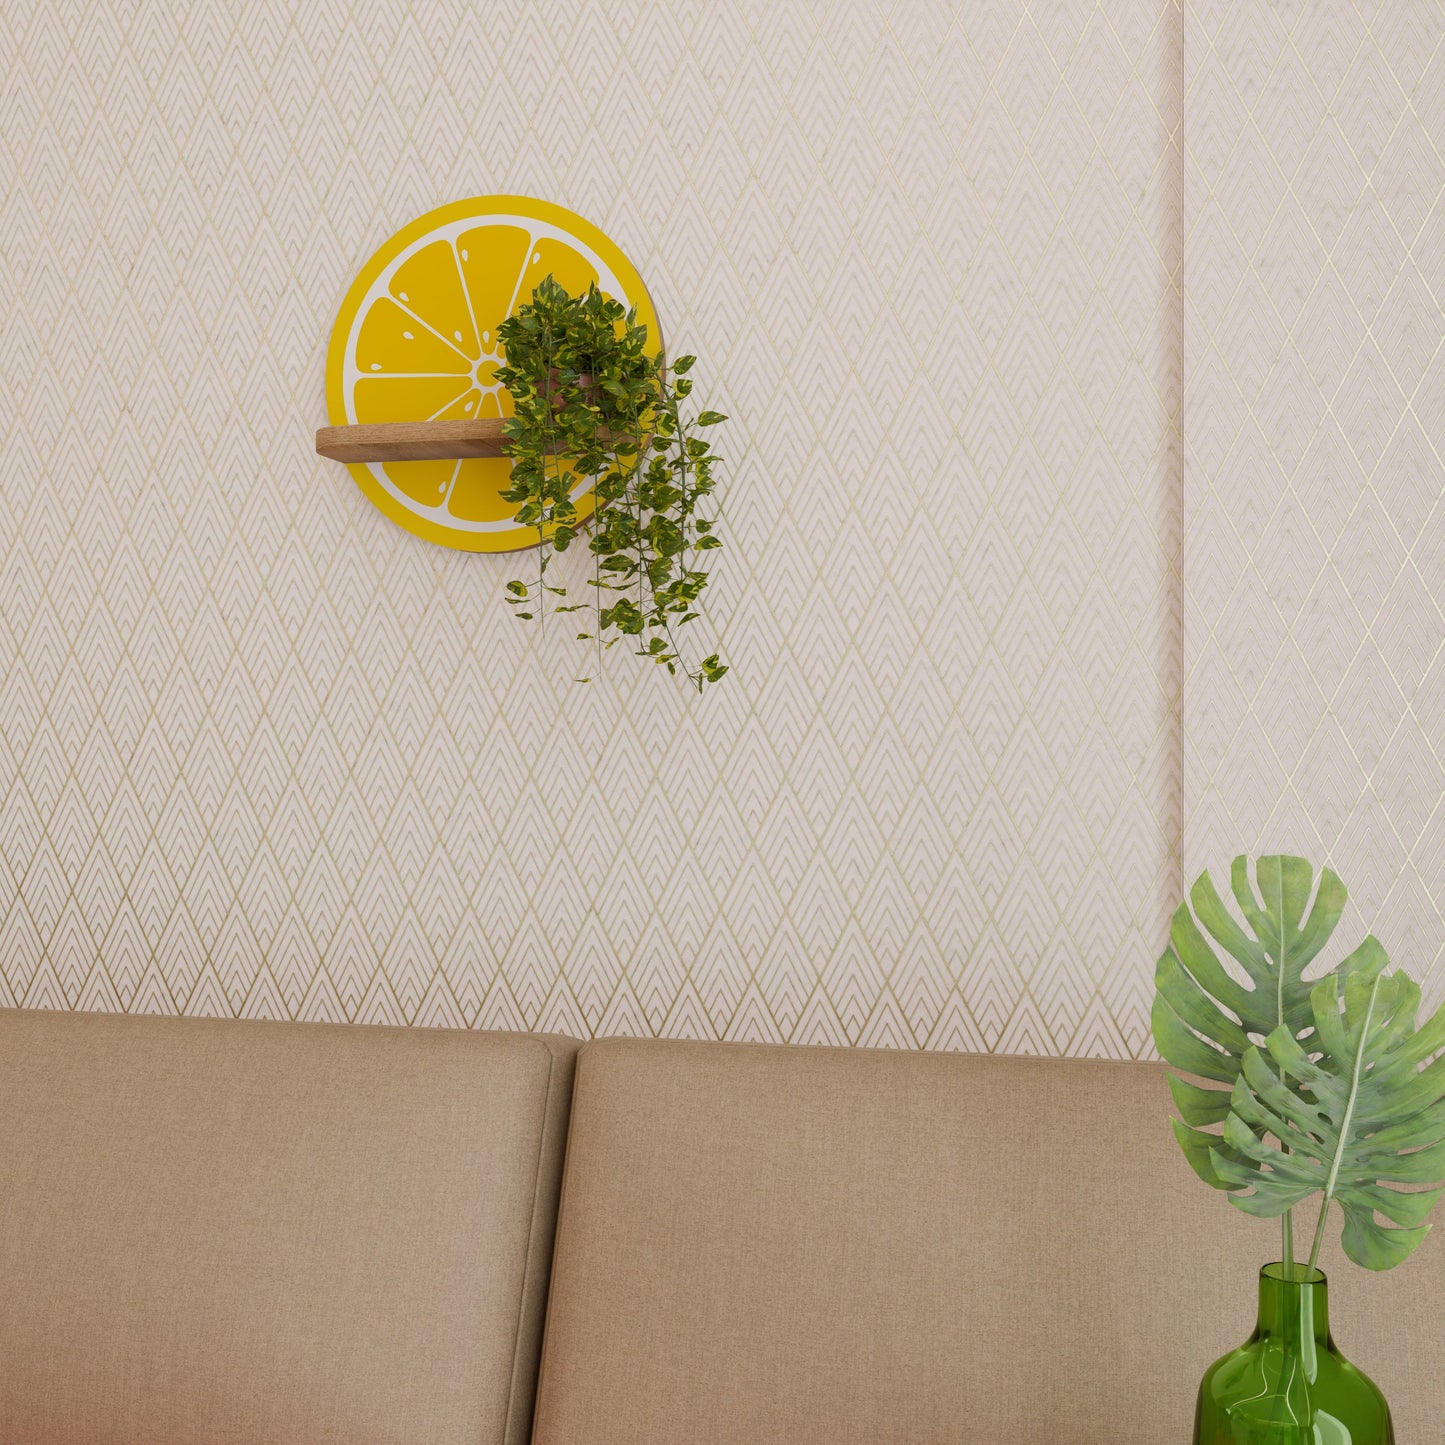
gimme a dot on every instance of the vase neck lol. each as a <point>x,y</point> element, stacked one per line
<point>1293,1309</point>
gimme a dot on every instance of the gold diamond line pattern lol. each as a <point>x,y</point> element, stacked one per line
<point>263,753</point>
<point>1314,199</point>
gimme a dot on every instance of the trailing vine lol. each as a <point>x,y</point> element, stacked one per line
<point>589,400</point>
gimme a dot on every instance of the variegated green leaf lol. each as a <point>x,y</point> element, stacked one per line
<point>1205,1018</point>
<point>1353,1108</point>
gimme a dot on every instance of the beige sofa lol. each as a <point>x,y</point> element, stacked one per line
<point>222,1233</point>
<point>283,1233</point>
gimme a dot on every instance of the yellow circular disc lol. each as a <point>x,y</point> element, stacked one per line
<point>416,340</point>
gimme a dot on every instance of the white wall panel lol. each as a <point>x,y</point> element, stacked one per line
<point>261,752</point>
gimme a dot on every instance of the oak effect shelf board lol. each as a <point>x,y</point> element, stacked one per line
<point>411,441</point>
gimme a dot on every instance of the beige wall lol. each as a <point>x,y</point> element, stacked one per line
<point>1314,714</point>
<point>261,752</point>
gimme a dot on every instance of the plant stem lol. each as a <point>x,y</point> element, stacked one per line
<point>1355,1074</point>
<point>682,477</point>
<point>1287,1219</point>
<point>550,448</point>
<point>1319,1230</point>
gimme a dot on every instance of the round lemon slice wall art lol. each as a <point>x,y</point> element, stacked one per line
<point>416,341</point>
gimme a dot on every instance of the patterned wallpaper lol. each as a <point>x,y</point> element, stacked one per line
<point>1314,714</point>
<point>263,753</point>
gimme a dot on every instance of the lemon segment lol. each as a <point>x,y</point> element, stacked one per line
<point>554,258</point>
<point>462,408</point>
<point>425,483</point>
<point>492,258</point>
<point>429,285</point>
<point>477,498</point>
<point>393,342</point>
<point>407,398</point>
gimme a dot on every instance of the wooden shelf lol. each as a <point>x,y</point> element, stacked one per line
<point>411,441</point>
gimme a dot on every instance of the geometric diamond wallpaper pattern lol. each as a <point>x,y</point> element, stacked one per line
<point>1314,716</point>
<point>264,753</point>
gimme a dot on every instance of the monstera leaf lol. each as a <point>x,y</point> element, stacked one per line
<point>1354,1110</point>
<point>1205,1019</point>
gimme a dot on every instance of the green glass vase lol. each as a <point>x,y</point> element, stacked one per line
<point>1287,1384</point>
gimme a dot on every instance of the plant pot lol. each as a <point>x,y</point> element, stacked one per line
<point>1288,1384</point>
<point>587,386</point>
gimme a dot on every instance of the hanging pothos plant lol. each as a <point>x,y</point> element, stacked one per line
<point>590,400</point>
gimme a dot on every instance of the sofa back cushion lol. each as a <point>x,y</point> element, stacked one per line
<point>287,1233</point>
<point>820,1245</point>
